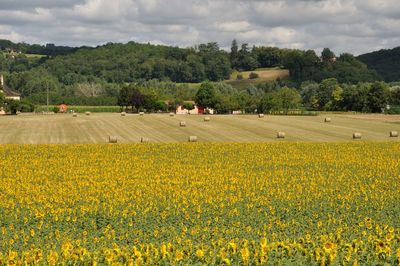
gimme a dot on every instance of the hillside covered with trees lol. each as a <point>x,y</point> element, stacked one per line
<point>385,62</point>
<point>164,74</point>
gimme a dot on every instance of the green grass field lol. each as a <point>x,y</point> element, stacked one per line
<point>63,128</point>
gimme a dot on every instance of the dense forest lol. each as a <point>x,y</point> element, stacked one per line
<point>99,75</point>
<point>385,62</point>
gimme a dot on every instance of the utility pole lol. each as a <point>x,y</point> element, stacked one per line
<point>47,89</point>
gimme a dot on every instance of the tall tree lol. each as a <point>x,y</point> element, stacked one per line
<point>269,102</point>
<point>288,98</point>
<point>326,88</point>
<point>327,55</point>
<point>377,97</point>
<point>234,54</point>
<point>309,94</point>
<point>206,95</point>
<point>137,99</point>
<point>124,97</point>
<point>246,61</point>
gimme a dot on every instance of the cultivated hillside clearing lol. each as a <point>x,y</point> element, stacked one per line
<point>96,128</point>
<point>264,75</point>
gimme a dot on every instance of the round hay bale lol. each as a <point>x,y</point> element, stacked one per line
<point>182,123</point>
<point>171,114</point>
<point>280,135</point>
<point>207,119</point>
<point>74,115</point>
<point>112,139</point>
<point>144,140</point>
<point>328,119</point>
<point>192,138</point>
<point>123,113</point>
<point>260,115</point>
<point>141,113</point>
<point>357,135</point>
<point>394,134</point>
<point>87,113</point>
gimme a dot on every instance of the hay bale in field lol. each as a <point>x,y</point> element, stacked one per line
<point>394,134</point>
<point>74,115</point>
<point>328,119</point>
<point>280,135</point>
<point>112,139</point>
<point>260,115</point>
<point>171,114</point>
<point>192,138</point>
<point>87,113</point>
<point>207,119</point>
<point>144,140</point>
<point>141,113</point>
<point>182,123</point>
<point>123,113</point>
<point>357,135</point>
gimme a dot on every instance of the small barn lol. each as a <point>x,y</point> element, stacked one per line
<point>62,108</point>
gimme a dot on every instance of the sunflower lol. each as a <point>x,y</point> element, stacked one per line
<point>329,247</point>
<point>245,254</point>
<point>52,258</point>
<point>200,253</point>
<point>178,255</point>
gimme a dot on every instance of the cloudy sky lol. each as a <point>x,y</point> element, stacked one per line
<point>355,26</point>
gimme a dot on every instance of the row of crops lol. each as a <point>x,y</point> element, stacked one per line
<point>218,203</point>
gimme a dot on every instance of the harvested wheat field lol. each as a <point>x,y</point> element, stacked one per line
<point>96,128</point>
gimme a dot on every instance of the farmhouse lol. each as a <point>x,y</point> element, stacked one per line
<point>237,112</point>
<point>197,110</point>
<point>8,93</point>
<point>62,108</point>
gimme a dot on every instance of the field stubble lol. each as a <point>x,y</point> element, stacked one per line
<point>63,128</point>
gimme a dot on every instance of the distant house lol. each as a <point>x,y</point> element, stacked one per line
<point>8,93</point>
<point>332,60</point>
<point>62,108</point>
<point>237,112</point>
<point>181,110</point>
<point>198,110</point>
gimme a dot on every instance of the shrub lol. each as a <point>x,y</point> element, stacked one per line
<point>394,110</point>
<point>253,75</point>
<point>11,106</point>
<point>26,106</point>
<point>239,77</point>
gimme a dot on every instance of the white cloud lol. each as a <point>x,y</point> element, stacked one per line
<point>233,26</point>
<point>354,26</point>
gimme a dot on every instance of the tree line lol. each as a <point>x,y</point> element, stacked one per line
<point>328,95</point>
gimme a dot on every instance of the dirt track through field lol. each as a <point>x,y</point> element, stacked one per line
<point>63,128</point>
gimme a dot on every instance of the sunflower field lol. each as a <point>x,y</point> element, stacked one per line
<point>200,204</point>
